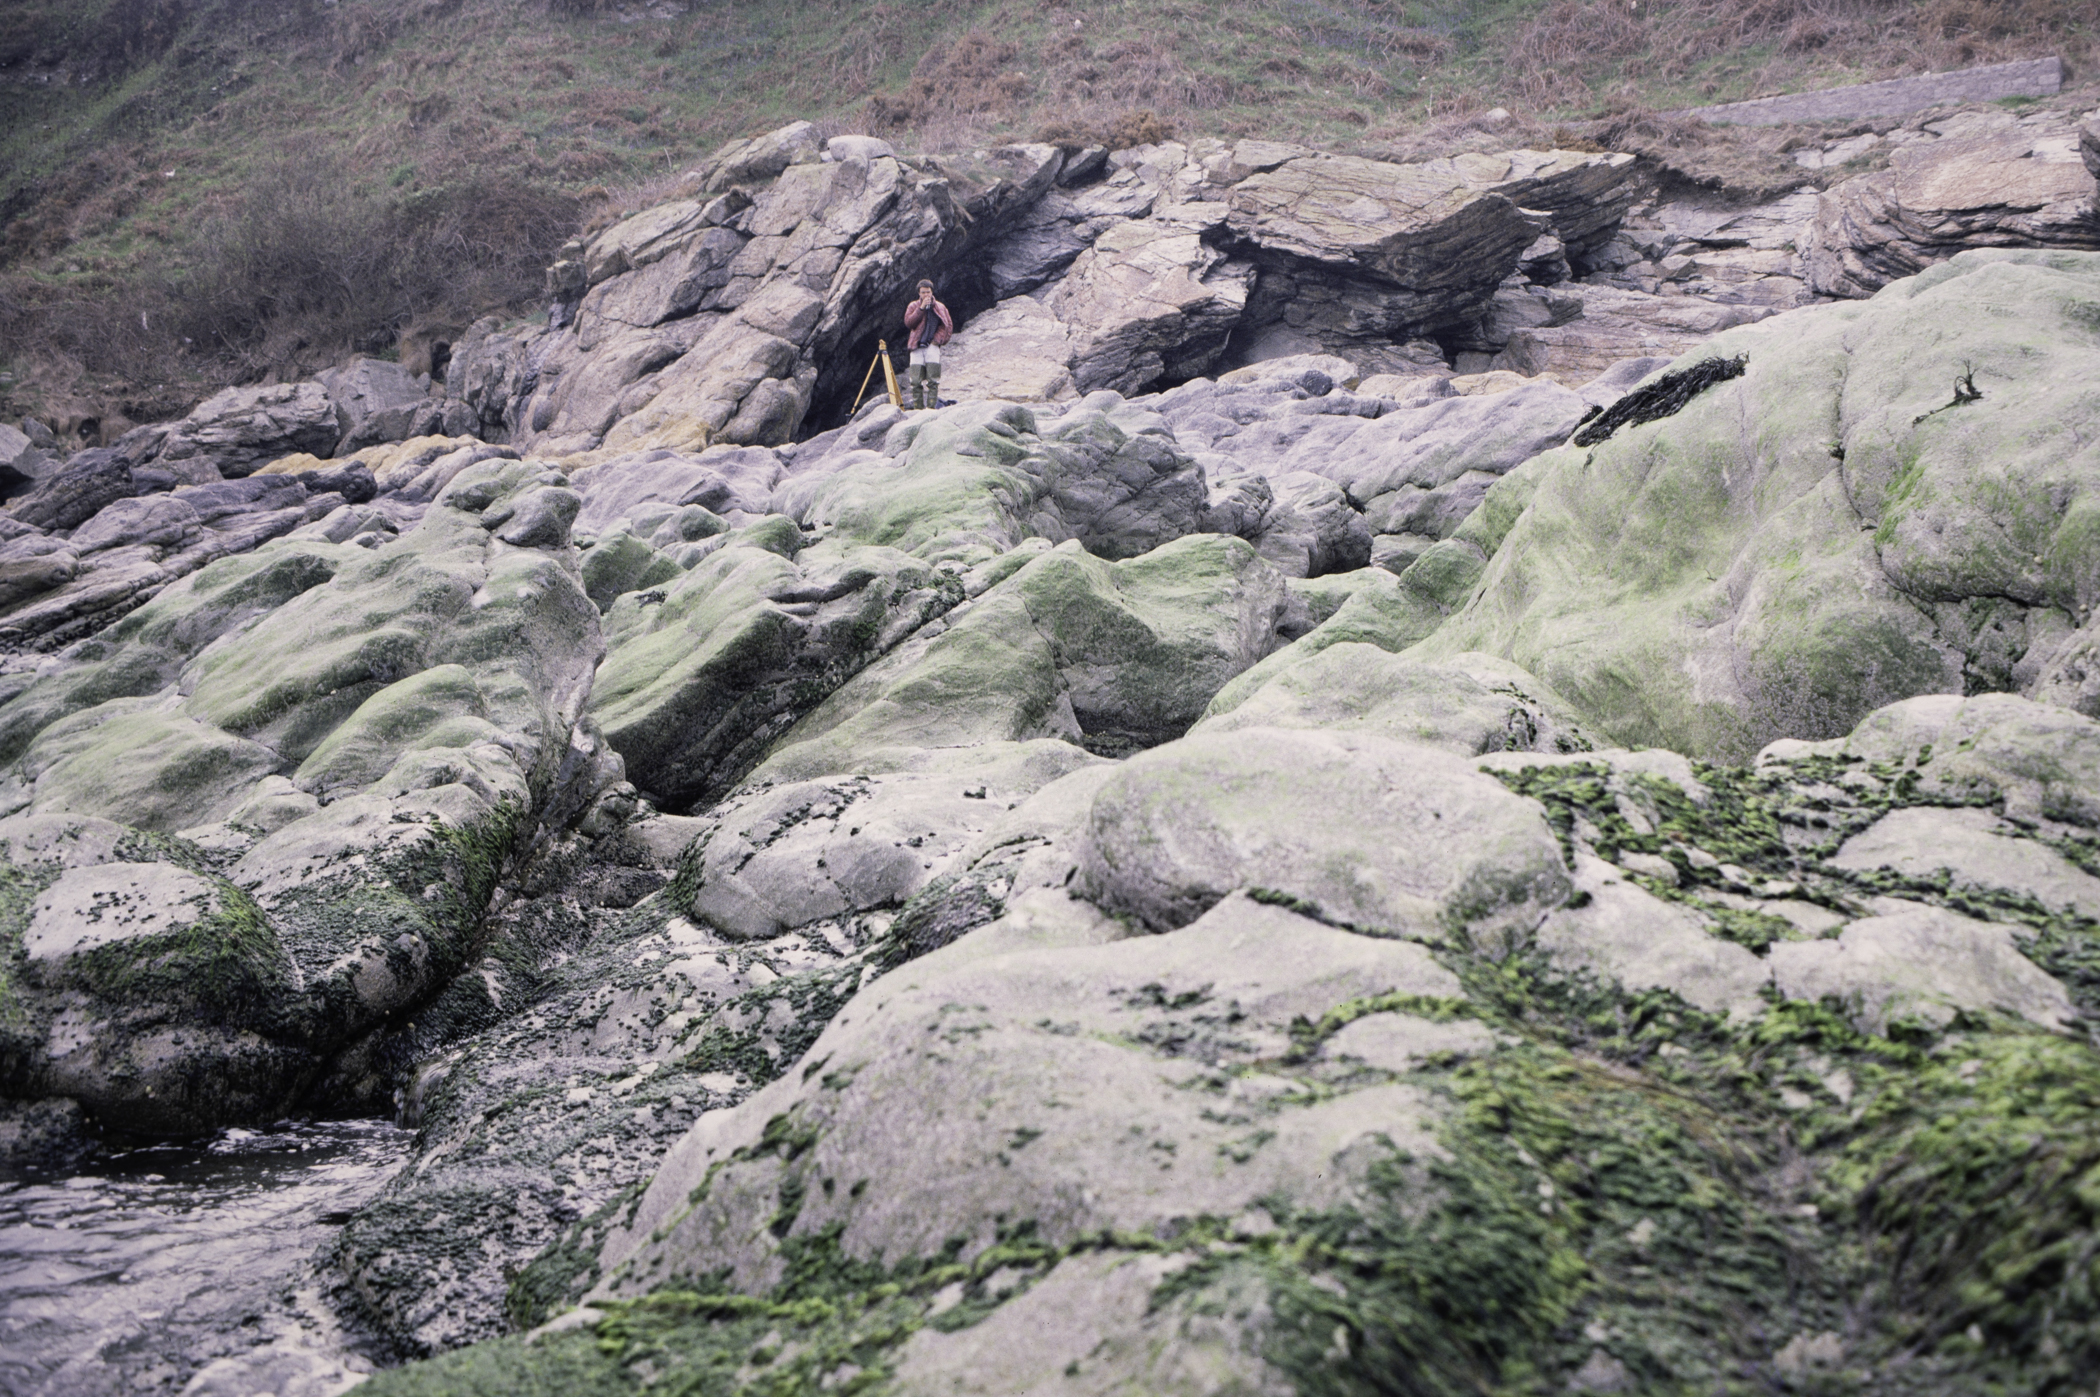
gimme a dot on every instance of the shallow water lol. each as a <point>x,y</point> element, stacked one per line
<point>189,1269</point>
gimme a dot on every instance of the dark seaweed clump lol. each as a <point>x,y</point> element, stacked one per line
<point>1666,397</point>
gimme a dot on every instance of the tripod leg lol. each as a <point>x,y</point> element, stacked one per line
<point>889,374</point>
<point>865,379</point>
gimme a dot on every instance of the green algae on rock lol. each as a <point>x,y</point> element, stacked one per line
<point>1793,550</point>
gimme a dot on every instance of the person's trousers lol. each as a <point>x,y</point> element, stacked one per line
<point>924,376</point>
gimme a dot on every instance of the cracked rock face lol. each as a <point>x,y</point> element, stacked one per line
<point>2011,188</point>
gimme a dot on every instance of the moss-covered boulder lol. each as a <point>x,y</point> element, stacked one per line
<point>346,746</point>
<point>1082,1062</point>
<point>975,480</point>
<point>704,673</point>
<point>1783,1032</point>
<point>143,653</point>
<point>785,856</point>
<point>1469,704</point>
<point>1115,655</point>
<point>1894,498</point>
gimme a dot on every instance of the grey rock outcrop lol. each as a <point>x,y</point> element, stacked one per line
<point>71,495</point>
<point>129,548</point>
<point>1358,254</point>
<point>235,431</point>
<point>378,401</point>
<point>348,746</point>
<point>1605,326</point>
<point>23,462</point>
<point>721,320</point>
<point>1895,575</point>
<point>2014,187</point>
<point>1159,910</point>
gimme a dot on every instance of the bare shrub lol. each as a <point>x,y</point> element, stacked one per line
<point>1138,128</point>
<point>1121,132</point>
<point>1067,133</point>
<point>297,269</point>
<point>304,259</point>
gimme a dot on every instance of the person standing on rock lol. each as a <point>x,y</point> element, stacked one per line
<point>930,325</point>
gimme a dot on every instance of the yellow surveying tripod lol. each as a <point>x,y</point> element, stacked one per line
<point>889,376</point>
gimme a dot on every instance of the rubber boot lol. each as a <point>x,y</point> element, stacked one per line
<point>933,385</point>
<point>916,377</point>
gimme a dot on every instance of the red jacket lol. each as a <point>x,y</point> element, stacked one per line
<point>915,318</point>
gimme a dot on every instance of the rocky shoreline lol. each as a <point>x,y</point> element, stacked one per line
<point>1237,858</point>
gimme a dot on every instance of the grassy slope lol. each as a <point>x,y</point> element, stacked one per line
<point>132,130</point>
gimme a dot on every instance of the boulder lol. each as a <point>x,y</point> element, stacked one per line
<point>1425,231</point>
<point>132,547</point>
<point>1020,351</point>
<point>702,675</point>
<point>22,462</point>
<point>1624,934</point>
<point>1976,852</point>
<point>1061,225</point>
<point>784,857</point>
<point>33,564</point>
<point>2031,759</point>
<point>1092,1128</point>
<point>760,158</point>
<point>725,322</point>
<point>2014,188</point>
<point>353,481</point>
<point>378,401</point>
<point>1115,655</point>
<point>493,368</point>
<point>1737,584</point>
<point>237,430</point>
<point>426,700</point>
<point>1923,962</point>
<point>74,493</point>
<point>1469,704</point>
<point>1433,850</point>
<point>1356,254</point>
<point>162,983</point>
<point>724,481</point>
<point>1609,325</point>
<point>1149,299</point>
<point>1311,529</point>
<point>975,480</point>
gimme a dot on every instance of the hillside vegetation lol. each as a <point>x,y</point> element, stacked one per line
<point>195,192</point>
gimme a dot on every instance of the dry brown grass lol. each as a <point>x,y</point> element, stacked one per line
<point>1124,88</point>
<point>1557,60</point>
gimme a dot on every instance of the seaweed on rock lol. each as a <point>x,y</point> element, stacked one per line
<point>1651,402</point>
